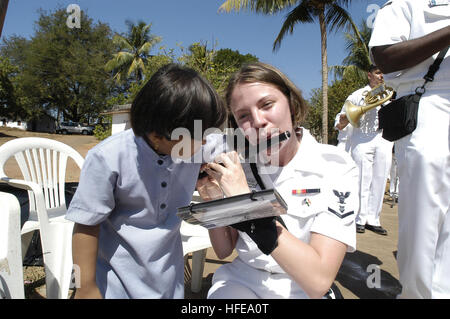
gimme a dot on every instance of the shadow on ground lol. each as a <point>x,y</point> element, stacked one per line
<point>6,135</point>
<point>360,273</point>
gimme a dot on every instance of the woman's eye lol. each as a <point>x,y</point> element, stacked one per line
<point>267,104</point>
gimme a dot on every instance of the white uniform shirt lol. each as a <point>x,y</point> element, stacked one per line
<point>330,212</point>
<point>411,22</point>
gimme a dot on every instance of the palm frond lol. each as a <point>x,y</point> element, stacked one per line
<point>357,46</point>
<point>337,18</point>
<point>303,13</point>
<point>120,76</point>
<point>136,66</point>
<point>119,59</point>
<point>145,48</point>
<point>260,6</point>
<point>337,71</point>
<point>348,71</point>
<point>148,45</point>
<point>122,42</point>
<point>355,72</point>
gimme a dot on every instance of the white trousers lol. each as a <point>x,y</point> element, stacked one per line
<point>373,156</point>
<point>237,280</point>
<point>423,159</point>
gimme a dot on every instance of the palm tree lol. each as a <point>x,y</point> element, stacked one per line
<point>3,9</point>
<point>134,52</point>
<point>358,61</point>
<point>330,13</point>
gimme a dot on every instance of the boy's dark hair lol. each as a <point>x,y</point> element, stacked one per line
<point>373,67</point>
<point>174,97</point>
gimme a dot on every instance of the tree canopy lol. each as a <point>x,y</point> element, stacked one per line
<point>8,103</point>
<point>61,68</point>
<point>69,73</point>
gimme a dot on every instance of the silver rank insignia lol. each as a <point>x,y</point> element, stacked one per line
<point>341,197</point>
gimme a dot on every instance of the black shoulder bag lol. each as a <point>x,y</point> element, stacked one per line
<point>399,118</point>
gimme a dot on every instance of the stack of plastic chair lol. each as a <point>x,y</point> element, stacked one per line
<point>11,272</point>
<point>195,240</point>
<point>43,165</point>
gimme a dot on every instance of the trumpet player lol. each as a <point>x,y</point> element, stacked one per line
<point>371,153</point>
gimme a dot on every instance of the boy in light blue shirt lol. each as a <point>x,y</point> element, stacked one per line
<point>126,238</point>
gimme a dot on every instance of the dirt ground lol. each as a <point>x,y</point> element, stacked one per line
<point>370,272</point>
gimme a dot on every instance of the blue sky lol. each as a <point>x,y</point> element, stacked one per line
<point>187,21</point>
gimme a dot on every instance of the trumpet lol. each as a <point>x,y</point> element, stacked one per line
<point>377,96</point>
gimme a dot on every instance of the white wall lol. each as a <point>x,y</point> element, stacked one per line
<point>22,126</point>
<point>120,122</point>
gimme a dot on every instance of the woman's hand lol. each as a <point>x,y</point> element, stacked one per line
<point>229,174</point>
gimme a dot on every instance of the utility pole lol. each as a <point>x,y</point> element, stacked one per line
<point>3,9</point>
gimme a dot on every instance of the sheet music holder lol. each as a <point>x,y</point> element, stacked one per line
<point>234,209</point>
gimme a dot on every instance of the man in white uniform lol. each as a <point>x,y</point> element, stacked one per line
<point>372,155</point>
<point>407,37</point>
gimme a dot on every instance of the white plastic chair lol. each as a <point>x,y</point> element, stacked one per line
<point>196,241</point>
<point>43,165</point>
<point>11,272</point>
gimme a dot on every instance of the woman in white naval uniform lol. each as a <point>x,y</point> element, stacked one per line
<point>301,258</point>
<point>407,36</point>
<point>372,154</point>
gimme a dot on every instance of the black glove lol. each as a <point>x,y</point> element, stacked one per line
<point>262,231</point>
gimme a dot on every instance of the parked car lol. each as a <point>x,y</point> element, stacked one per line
<point>74,128</point>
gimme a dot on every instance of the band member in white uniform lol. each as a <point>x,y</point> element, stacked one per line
<point>372,154</point>
<point>407,37</point>
<point>299,254</point>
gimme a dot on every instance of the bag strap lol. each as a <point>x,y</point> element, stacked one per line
<point>256,175</point>
<point>429,77</point>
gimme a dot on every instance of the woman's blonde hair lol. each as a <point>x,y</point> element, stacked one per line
<point>265,73</point>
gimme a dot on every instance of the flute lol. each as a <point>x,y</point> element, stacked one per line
<point>259,148</point>
<point>263,146</point>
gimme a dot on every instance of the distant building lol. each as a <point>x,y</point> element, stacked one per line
<point>120,117</point>
<point>44,123</point>
<point>13,123</point>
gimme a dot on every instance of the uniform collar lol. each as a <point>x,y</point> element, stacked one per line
<point>307,160</point>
